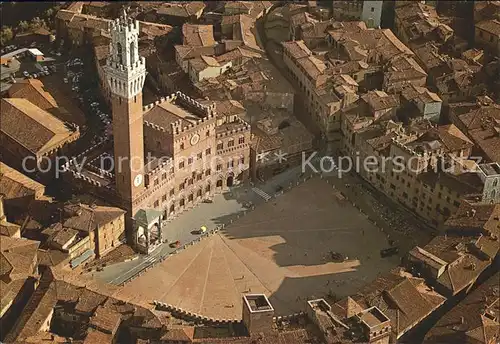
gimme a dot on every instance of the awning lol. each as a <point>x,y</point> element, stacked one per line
<point>81,258</point>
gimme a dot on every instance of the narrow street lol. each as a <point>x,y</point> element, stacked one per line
<point>273,51</point>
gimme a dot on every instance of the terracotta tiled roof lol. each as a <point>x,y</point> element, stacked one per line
<point>14,184</point>
<point>181,9</point>
<point>86,218</point>
<point>33,90</point>
<point>490,26</point>
<point>198,35</point>
<point>65,15</point>
<point>477,218</point>
<point>10,292</point>
<point>238,5</point>
<point>9,229</point>
<point>359,43</point>
<point>463,267</point>
<point>63,236</point>
<point>482,124</point>
<point>229,107</point>
<point>166,113</point>
<point>302,18</point>
<point>105,319</point>
<point>297,49</point>
<point>453,138</point>
<point>237,54</point>
<point>419,94</point>
<point>176,335</point>
<point>98,337</point>
<point>17,256</point>
<point>189,52</point>
<point>347,308</point>
<point>76,7</point>
<point>379,100</point>
<point>33,128</point>
<point>403,68</point>
<point>417,18</point>
<point>301,336</point>
<point>244,30</point>
<point>89,301</point>
<point>53,289</point>
<point>471,318</point>
<point>154,29</point>
<point>236,19</point>
<point>405,300</point>
<point>52,257</point>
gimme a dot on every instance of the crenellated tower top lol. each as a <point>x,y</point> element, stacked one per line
<point>125,69</point>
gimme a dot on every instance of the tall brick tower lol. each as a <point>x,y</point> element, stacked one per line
<point>125,72</point>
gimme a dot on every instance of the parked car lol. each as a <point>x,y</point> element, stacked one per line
<point>65,80</point>
<point>337,257</point>
<point>388,252</point>
<point>175,244</point>
<point>26,74</point>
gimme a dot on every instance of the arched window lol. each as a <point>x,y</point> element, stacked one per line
<point>495,182</point>
<point>132,46</point>
<point>493,194</point>
<point>119,52</point>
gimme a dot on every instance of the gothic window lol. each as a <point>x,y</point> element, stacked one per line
<point>495,182</point>
<point>119,52</point>
<point>131,52</point>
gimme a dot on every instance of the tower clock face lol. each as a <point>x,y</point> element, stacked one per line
<point>194,139</point>
<point>138,180</point>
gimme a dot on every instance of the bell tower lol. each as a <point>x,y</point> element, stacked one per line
<point>125,72</point>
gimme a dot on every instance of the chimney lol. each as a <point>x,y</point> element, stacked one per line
<point>462,320</point>
<point>2,211</point>
<point>257,314</point>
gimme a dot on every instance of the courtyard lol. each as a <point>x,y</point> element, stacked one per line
<point>283,249</point>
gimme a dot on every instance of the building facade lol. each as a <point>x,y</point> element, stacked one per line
<point>368,11</point>
<point>168,155</point>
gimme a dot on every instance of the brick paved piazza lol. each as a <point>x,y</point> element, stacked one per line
<point>279,249</point>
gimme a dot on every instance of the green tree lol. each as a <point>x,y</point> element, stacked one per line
<point>6,35</point>
<point>49,13</point>
<point>37,23</point>
<point>23,26</point>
